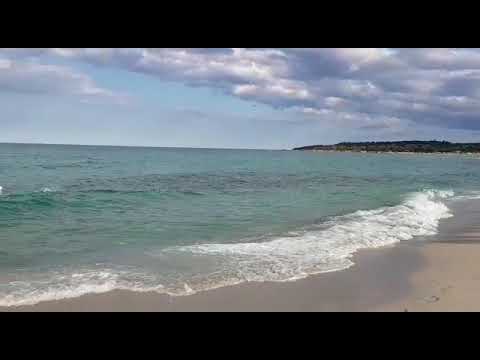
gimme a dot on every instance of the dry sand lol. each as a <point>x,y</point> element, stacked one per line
<point>449,280</point>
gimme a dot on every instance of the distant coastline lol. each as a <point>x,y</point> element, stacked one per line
<point>413,147</point>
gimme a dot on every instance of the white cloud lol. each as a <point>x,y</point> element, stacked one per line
<point>431,86</point>
<point>33,77</point>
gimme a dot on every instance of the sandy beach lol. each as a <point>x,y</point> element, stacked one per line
<point>439,273</point>
<point>430,277</point>
<point>239,180</point>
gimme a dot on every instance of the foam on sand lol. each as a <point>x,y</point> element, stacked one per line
<point>58,286</point>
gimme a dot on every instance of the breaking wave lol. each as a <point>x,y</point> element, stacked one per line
<point>330,246</point>
<point>322,248</point>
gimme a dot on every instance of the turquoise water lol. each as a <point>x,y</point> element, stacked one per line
<point>79,219</point>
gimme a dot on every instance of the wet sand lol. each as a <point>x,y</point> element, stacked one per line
<point>440,273</point>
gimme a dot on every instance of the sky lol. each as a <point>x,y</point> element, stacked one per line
<point>260,98</point>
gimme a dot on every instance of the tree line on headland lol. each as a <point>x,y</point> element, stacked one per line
<point>399,146</point>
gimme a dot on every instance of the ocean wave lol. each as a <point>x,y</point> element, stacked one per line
<point>60,286</point>
<point>472,195</point>
<point>332,245</point>
<point>47,190</point>
<point>38,198</point>
<point>323,248</point>
<point>72,164</point>
<point>141,192</point>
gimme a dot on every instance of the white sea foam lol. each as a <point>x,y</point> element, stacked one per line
<point>331,247</point>
<point>472,195</point>
<point>327,247</point>
<point>47,190</point>
<point>1,190</point>
<point>67,286</point>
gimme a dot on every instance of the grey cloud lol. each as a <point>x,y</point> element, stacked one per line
<point>426,86</point>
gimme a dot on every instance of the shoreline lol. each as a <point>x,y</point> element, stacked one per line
<point>352,289</point>
<point>438,273</point>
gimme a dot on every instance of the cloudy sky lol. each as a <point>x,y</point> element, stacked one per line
<point>238,98</point>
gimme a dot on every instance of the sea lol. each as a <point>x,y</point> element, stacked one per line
<point>76,220</point>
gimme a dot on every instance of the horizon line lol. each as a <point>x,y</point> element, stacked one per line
<point>138,146</point>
